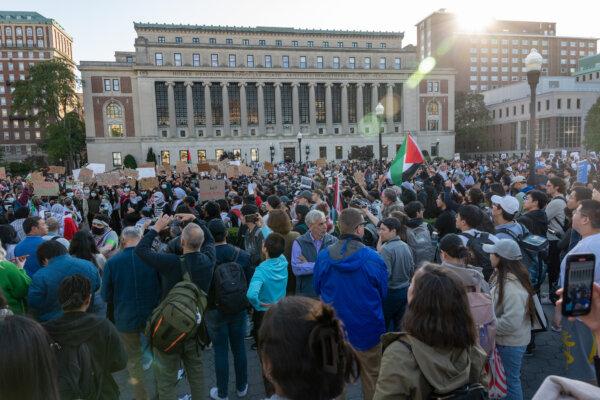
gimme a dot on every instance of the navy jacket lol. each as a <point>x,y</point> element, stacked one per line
<point>199,264</point>
<point>133,287</point>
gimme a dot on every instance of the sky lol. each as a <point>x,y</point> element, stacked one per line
<point>101,27</point>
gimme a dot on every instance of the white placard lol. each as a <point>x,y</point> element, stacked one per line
<point>575,155</point>
<point>146,172</point>
<point>235,162</point>
<point>538,153</point>
<point>75,173</point>
<point>503,156</point>
<point>97,168</point>
<point>251,187</point>
<point>456,156</point>
<point>563,153</point>
<point>306,182</point>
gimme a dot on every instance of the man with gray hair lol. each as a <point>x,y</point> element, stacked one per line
<point>133,288</point>
<point>54,232</point>
<point>199,260</point>
<point>305,250</point>
<point>391,202</point>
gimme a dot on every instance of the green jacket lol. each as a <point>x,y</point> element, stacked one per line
<point>414,373</point>
<point>14,283</point>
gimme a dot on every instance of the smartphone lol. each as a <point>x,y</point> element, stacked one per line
<point>579,280</point>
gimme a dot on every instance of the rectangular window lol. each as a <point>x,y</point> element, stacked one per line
<point>212,41</point>
<point>262,42</point>
<point>294,43</point>
<point>229,41</point>
<point>397,63</point>
<point>254,155</point>
<point>269,103</point>
<point>340,44</point>
<point>232,62</point>
<point>302,61</point>
<point>116,85</point>
<point>250,61</point>
<point>161,39</point>
<point>369,45</point>
<point>278,43</point>
<point>214,60</point>
<point>310,43</point>
<point>246,42</point>
<point>558,104</point>
<point>568,104</point>
<point>116,159</point>
<point>201,155</point>
<point>325,44</point>
<point>320,106</point>
<point>268,61</point>
<point>158,59</point>
<point>303,102</point>
<point>578,104</point>
<point>107,85</point>
<point>351,62</point>
<point>196,60</point>
<point>367,63</point>
<point>354,44</point>
<point>286,104</point>
<point>323,152</point>
<point>339,152</point>
<point>285,61</point>
<point>177,59</point>
<point>336,62</point>
<point>178,39</point>
<point>382,63</point>
<point>195,40</point>
<point>547,105</point>
<point>319,62</point>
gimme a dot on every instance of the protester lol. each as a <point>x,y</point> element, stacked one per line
<point>35,228</point>
<point>419,234</point>
<point>454,255</point>
<point>54,232</point>
<point>535,218</point>
<point>279,222</point>
<point>555,213</point>
<point>14,283</point>
<point>107,240</point>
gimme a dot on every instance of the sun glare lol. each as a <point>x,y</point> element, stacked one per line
<point>473,20</point>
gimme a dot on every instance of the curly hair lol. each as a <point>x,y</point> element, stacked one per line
<point>73,292</point>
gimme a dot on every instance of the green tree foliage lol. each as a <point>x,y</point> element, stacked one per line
<point>64,141</point>
<point>150,156</point>
<point>471,117</point>
<point>129,162</point>
<point>592,127</point>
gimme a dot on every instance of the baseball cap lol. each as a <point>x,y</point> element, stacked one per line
<point>518,179</point>
<point>305,194</point>
<point>216,227</point>
<point>505,248</point>
<point>507,203</point>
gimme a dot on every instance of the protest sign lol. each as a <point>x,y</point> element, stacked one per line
<point>235,162</point>
<point>37,177</point>
<point>45,188</point>
<point>85,175</point>
<point>129,173</point>
<point>55,169</point>
<point>306,182</point>
<point>321,162</point>
<point>538,153</point>
<point>149,183</point>
<point>582,171</point>
<point>2,173</point>
<point>268,167</point>
<point>182,168</point>
<point>211,189</point>
<point>97,168</point>
<point>251,187</point>
<point>193,168</point>
<point>146,172</point>
<point>203,167</point>
<point>503,156</point>
<point>359,178</point>
<point>108,179</point>
<point>456,156</point>
<point>563,153</point>
<point>233,171</point>
<point>246,170</point>
<point>148,165</point>
<point>575,155</point>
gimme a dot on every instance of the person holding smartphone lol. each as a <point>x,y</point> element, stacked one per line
<point>586,221</point>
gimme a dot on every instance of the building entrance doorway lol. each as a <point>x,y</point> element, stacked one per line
<point>289,154</point>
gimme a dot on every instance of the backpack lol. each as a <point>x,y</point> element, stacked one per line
<point>230,287</point>
<point>482,310</point>
<point>78,378</point>
<point>477,256</point>
<point>179,316</point>
<point>534,250</point>
<point>419,240</point>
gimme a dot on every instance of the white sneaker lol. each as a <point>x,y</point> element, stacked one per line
<point>243,393</point>
<point>214,394</point>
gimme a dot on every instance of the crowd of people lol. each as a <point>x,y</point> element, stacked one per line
<point>427,289</point>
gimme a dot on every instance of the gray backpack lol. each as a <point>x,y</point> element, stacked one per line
<point>419,240</point>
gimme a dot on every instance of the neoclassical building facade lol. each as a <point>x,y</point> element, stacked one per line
<point>193,92</point>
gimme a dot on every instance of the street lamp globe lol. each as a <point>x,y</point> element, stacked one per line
<point>299,136</point>
<point>379,110</point>
<point>533,61</point>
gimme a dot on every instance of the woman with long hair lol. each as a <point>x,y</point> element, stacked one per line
<point>84,246</point>
<point>454,255</point>
<point>438,341</point>
<point>28,369</point>
<point>303,352</point>
<point>280,222</point>
<point>512,294</point>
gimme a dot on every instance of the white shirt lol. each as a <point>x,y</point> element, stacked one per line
<point>590,244</point>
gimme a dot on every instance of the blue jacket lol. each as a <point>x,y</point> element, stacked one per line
<point>353,279</point>
<point>43,291</point>
<point>28,246</point>
<point>133,287</point>
<point>268,282</point>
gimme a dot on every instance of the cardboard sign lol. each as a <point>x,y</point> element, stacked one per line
<point>130,173</point>
<point>151,164</point>
<point>182,168</point>
<point>246,170</point>
<point>85,175</point>
<point>37,177</point>
<point>321,162</point>
<point>149,183</point>
<point>359,178</point>
<point>2,173</point>
<point>164,169</point>
<point>203,167</point>
<point>97,168</point>
<point>268,167</point>
<point>146,172</point>
<point>193,168</point>
<point>108,179</point>
<point>55,169</point>
<point>211,190</point>
<point>233,171</point>
<point>45,188</point>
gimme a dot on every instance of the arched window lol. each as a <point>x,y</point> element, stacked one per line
<point>114,120</point>
<point>113,111</point>
<point>433,116</point>
<point>433,108</point>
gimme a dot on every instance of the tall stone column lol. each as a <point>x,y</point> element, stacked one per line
<point>261,107</point>
<point>389,107</point>
<point>207,109</point>
<point>243,109</point>
<point>226,130</point>
<point>359,103</point>
<point>278,110</point>
<point>312,107</point>
<point>328,108</point>
<point>345,129</point>
<point>171,100</point>
<point>374,97</point>
<point>190,107</point>
<point>295,107</point>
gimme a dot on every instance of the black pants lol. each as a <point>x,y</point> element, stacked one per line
<point>553,268</point>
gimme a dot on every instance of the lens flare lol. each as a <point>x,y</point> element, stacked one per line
<point>425,67</point>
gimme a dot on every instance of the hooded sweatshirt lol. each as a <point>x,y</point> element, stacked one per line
<point>102,339</point>
<point>268,282</point>
<point>411,369</point>
<point>535,221</point>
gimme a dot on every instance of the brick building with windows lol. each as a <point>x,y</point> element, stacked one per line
<point>562,105</point>
<point>214,89</point>
<point>26,38</point>
<point>495,56</point>
<point>588,69</point>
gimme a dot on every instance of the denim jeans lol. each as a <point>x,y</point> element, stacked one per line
<point>512,358</point>
<point>228,331</point>
<point>393,308</point>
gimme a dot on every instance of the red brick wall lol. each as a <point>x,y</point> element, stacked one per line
<point>99,103</point>
<point>444,86</point>
<point>444,102</point>
<point>98,118</point>
<point>97,84</point>
<point>423,86</point>
<point>125,84</point>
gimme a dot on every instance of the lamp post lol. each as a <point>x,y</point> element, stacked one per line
<point>533,65</point>
<point>437,147</point>
<point>379,110</point>
<point>272,149</point>
<point>307,150</point>
<point>299,136</point>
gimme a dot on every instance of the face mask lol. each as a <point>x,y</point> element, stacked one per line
<point>144,193</point>
<point>70,194</point>
<point>93,194</point>
<point>97,231</point>
<point>163,186</point>
<point>10,199</point>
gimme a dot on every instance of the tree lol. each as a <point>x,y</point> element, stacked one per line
<point>47,97</point>
<point>150,156</point>
<point>472,118</point>
<point>592,127</point>
<point>129,162</point>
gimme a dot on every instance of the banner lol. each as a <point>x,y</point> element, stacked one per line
<point>55,169</point>
<point>45,188</point>
<point>211,190</point>
<point>582,171</point>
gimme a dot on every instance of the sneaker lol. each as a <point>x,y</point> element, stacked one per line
<point>243,393</point>
<point>555,328</point>
<point>214,394</point>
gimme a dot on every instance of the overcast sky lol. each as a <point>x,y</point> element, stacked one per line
<point>101,27</point>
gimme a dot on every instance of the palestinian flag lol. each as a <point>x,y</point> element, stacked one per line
<point>407,161</point>
<point>337,200</point>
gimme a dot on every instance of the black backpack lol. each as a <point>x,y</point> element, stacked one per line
<point>478,257</point>
<point>230,287</point>
<point>78,378</point>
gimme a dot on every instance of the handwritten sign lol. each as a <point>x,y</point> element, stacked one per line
<point>211,190</point>
<point>2,173</point>
<point>56,169</point>
<point>129,173</point>
<point>146,172</point>
<point>203,167</point>
<point>108,179</point>
<point>86,175</point>
<point>149,183</point>
<point>268,167</point>
<point>45,188</point>
<point>97,168</point>
<point>321,162</point>
<point>246,170</point>
<point>182,168</point>
<point>37,177</point>
<point>233,171</point>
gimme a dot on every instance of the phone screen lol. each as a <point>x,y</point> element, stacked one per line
<point>579,279</point>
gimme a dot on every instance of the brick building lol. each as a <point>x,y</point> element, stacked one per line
<point>495,56</point>
<point>26,38</point>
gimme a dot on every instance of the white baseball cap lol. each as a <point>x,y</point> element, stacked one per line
<point>505,248</point>
<point>507,203</point>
